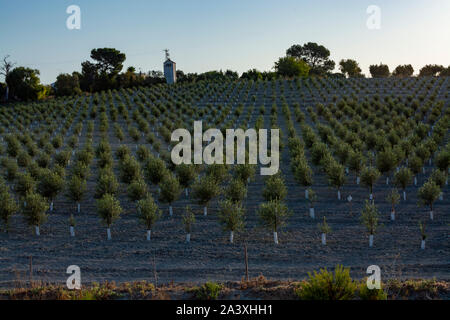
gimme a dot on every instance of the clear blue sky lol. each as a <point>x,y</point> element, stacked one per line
<point>205,35</point>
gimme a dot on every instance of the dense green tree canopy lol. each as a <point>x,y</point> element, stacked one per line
<point>315,55</point>
<point>379,71</point>
<point>350,68</point>
<point>291,67</point>
<point>24,84</point>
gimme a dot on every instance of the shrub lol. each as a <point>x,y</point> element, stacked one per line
<point>208,291</point>
<point>365,293</point>
<point>325,285</point>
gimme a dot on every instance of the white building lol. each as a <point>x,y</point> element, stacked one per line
<point>170,69</point>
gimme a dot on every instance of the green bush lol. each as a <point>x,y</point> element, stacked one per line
<point>325,285</point>
<point>365,293</point>
<point>208,291</point>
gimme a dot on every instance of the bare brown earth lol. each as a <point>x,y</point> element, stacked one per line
<point>209,256</point>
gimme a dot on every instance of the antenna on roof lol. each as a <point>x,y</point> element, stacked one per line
<point>167,54</point>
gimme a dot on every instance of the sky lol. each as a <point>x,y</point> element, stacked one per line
<point>205,35</point>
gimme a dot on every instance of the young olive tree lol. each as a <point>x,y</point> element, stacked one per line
<point>312,200</point>
<point>356,163</point>
<point>204,190</point>
<point>170,190</point>
<point>106,184</point>
<point>8,207</point>
<point>393,198</point>
<point>274,188</point>
<point>369,218</point>
<point>186,175</point>
<point>109,210</point>
<point>137,190</point>
<point>188,222</point>
<point>273,215</point>
<point>231,216</point>
<point>428,194</point>
<point>386,162</point>
<point>35,210</point>
<point>24,184</point>
<point>439,178</point>
<point>76,188</point>
<point>236,191</point>
<point>155,170</point>
<point>49,185</point>
<point>422,234</point>
<point>148,213</point>
<point>336,176</point>
<point>130,170</point>
<point>415,164</point>
<point>402,179</point>
<point>324,229</point>
<point>244,172</point>
<point>303,174</point>
<point>369,177</point>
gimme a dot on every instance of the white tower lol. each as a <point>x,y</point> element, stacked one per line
<point>170,69</point>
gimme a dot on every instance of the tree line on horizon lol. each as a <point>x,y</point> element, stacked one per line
<point>105,72</point>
